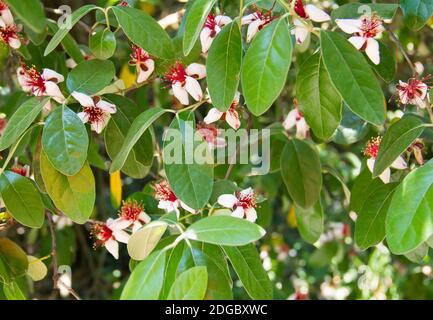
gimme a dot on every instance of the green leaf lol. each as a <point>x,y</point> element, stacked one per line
<point>409,221</point>
<point>68,43</point>
<point>310,222</point>
<point>103,44</point>
<point>30,12</point>
<point>356,10</point>
<point>195,18</point>
<point>370,224</point>
<point>351,129</point>
<point>223,66</point>
<point>146,280</point>
<point>396,140</point>
<point>362,189</point>
<point>12,291</point>
<point>174,257</point>
<point>416,12</point>
<point>352,77</point>
<point>65,141</point>
<point>139,161</point>
<point>387,67</point>
<point>221,187</point>
<point>12,259</point>
<point>137,129</point>
<point>417,255</point>
<point>142,242</point>
<point>301,171</point>
<point>224,230</point>
<point>22,199</point>
<point>266,65</point>
<point>318,100</point>
<point>249,268</point>
<point>64,29</point>
<point>91,76</point>
<point>73,195</point>
<point>21,120</point>
<point>191,181</point>
<point>144,31</point>
<point>190,285</point>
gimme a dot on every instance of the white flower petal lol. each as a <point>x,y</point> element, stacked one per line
<point>222,20</point>
<point>6,16</point>
<point>83,99</point>
<point>50,75</point>
<point>370,164</point>
<point>14,42</point>
<point>193,88</point>
<point>249,18</point>
<point>83,116</point>
<point>238,213</point>
<point>227,200</point>
<point>143,216</point>
<point>399,163</point>
<point>106,106</point>
<point>186,207</point>
<point>386,176</point>
<point>206,39</point>
<point>180,93</point>
<point>143,75</point>
<point>52,90</point>
<point>232,118</point>
<point>253,28</point>
<point>358,42</point>
<point>301,34</point>
<point>372,51</point>
<point>316,14</point>
<point>113,247</point>
<point>121,236</point>
<point>349,25</point>
<point>251,214</point>
<point>302,129</point>
<point>121,224</point>
<point>213,115</point>
<point>290,120</point>
<point>196,70</point>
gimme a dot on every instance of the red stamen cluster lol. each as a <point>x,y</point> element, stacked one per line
<point>372,147</point>
<point>211,24</point>
<point>264,15</point>
<point>246,201</point>
<point>371,26</point>
<point>164,192</point>
<point>176,74</point>
<point>412,89</point>
<point>124,4</point>
<point>19,169</point>
<point>138,55</point>
<point>300,10</point>
<point>208,131</point>
<point>8,32</point>
<point>34,80</point>
<point>130,210</point>
<point>3,6</point>
<point>102,233</point>
<point>94,114</point>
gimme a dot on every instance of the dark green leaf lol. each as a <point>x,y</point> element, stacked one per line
<point>13,260</point>
<point>356,10</point>
<point>190,285</point>
<point>103,44</point>
<point>30,12</point>
<point>310,222</point>
<point>387,67</point>
<point>362,189</point>
<point>416,12</point>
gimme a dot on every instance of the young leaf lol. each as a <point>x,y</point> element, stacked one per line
<point>353,77</point>
<point>190,285</point>
<point>146,280</point>
<point>103,44</point>
<point>409,221</point>
<point>195,18</point>
<point>310,222</point>
<point>318,100</point>
<point>20,121</point>
<point>301,171</point>
<point>73,195</point>
<point>37,270</point>
<point>224,230</point>
<point>416,12</point>
<point>396,140</point>
<point>136,130</point>
<point>249,268</point>
<point>65,141</point>
<point>22,199</point>
<point>143,241</point>
<point>64,29</point>
<point>13,260</point>
<point>223,66</point>
<point>144,31</point>
<point>266,65</point>
<point>30,12</point>
<point>91,76</point>
<point>370,224</point>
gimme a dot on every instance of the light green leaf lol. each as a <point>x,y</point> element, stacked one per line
<point>103,44</point>
<point>12,259</point>
<point>362,189</point>
<point>142,242</point>
<point>190,285</point>
<point>310,222</point>
<point>30,12</point>
<point>37,270</point>
<point>417,255</point>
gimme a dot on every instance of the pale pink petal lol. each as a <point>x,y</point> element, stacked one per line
<point>253,28</point>
<point>227,200</point>
<point>121,223</point>
<point>136,226</point>
<point>180,93</point>
<point>424,88</point>
<point>193,88</point>
<point>370,164</point>
<point>251,214</point>
<point>301,34</point>
<point>232,118</point>
<point>143,75</point>
<point>222,20</point>
<point>14,42</point>
<point>399,164</point>
<point>52,90</point>
<point>7,17</point>
<point>83,116</point>
<point>290,121</point>
<point>349,25</point>
<point>213,115</point>
<point>246,192</point>
<point>51,75</point>
<point>386,176</point>
<point>358,42</point>
<point>121,236</point>
<point>206,39</point>
<point>186,207</point>
<point>196,70</point>
<point>372,50</point>
<point>106,106</point>
<point>238,213</point>
<point>113,247</point>
<point>83,99</point>
<point>316,14</point>
<point>98,126</point>
<point>249,18</point>
<point>302,129</point>
<point>70,63</point>
<point>144,217</point>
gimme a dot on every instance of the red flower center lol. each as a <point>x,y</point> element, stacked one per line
<point>264,15</point>
<point>211,24</point>
<point>372,147</point>
<point>208,131</point>
<point>35,81</point>
<point>9,32</point>
<point>3,6</point>
<point>176,74</point>
<point>21,170</point>
<point>102,233</point>
<point>412,89</point>
<point>164,192</point>
<point>300,10</point>
<point>246,201</point>
<point>124,4</point>
<point>138,55</point>
<point>371,26</point>
<point>131,210</point>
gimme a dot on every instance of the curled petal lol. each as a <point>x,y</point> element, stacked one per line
<point>253,28</point>
<point>121,223</point>
<point>206,39</point>
<point>51,75</point>
<point>302,129</point>
<point>14,42</point>
<point>251,214</point>
<point>238,213</point>
<point>213,115</point>
<point>193,88</point>
<point>349,25</point>
<point>399,164</point>
<point>249,18</point>
<point>370,164</point>
<point>290,121</point>
<point>113,247</point>
<point>386,176</point>
<point>196,71</point>
<point>52,90</point>
<point>143,216</point>
<point>83,116</point>
<point>358,42</point>
<point>232,118</point>
<point>145,70</point>
<point>222,20</point>
<point>372,50</point>
<point>246,192</point>
<point>121,235</point>
<point>83,99</point>
<point>180,93</point>
<point>227,200</point>
<point>6,16</point>
<point>316,14</point>
<point>106,106</point>
<point>186,207</point>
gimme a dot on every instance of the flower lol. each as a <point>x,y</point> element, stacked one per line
<point>45,84</point>
<point>296,119</point>
<point>365,30</point>
<point>413,92</point>
<point>243,204</point>
<point>21,170</point>
<point>143,63</point>
<point>5,14</point>
<point>8,29</point>
<point>257,21</point>
<point>168,200</point>
<point>371,150</point>
<point>71,64</point>
<point>211,28</point>
<point>210,133</point>
<point>132,214</point>
<point>231,115</point>
<point>3,123</point>
<point>108,235</point>
<point>96,111</point>
<point>305,14</point>
<point>417,148</point>
<point>184,80</point>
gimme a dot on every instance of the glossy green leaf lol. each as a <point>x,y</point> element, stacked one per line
<point>195,18</point>
<point>223,66</point>
<point>103,44</point>
<point>73,195</point>
<point>22,199</point>
<point>352,77</point>
<point>301,171</point>
<point>137,129</point>
<point>12,291</point>
<point>362,189</point>
<point>174,257</point>
<point>191,181</point>
<point>409,221</point>
<point>249,268</point>
<point>90,76</point>
<point>416,12</point>
<point>266,65</point>
<point>21,120</point>
<point>310,222</point>
<point>68,43</point>
<point>224,230</point>
<point>319,101</point>
<point>221,187</point>
<point>356,10</point>
<point>370,224</point>
<point>351,129</point>
<point>65,141</point>
<point>30,12</point>
<point>190,285</point>
<point>64,29</point>
<point>13,260</point>
<point>146,280</point>
<point>396,140</point>
<point>144,31</point>
<point>142,242</point>
<point>387,67</point>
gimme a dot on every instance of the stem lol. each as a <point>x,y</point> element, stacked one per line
<point>107,19</point>
<point>193,107</point>
<point>241,11</point>
<point>401,48</point>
